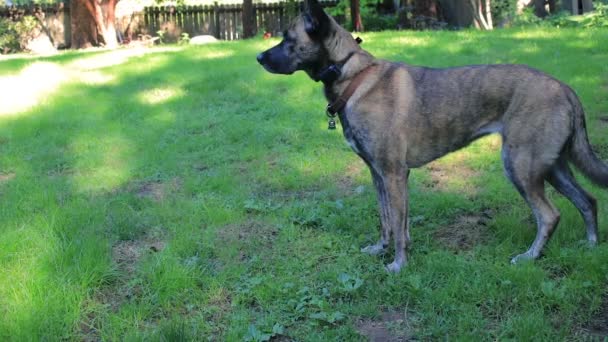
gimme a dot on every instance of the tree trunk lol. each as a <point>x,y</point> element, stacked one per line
<point>404,8</point>
<point>427,8</point>
<point>482,14</point>
<point>91,26</point>
<point>552,6</point>
<point>488,8</point>
<point>248,19</point>
<point>539,8</point>
<point>355,13</point>
<point>387,7</point>
<point>109,20</point>
<point>84,30</point>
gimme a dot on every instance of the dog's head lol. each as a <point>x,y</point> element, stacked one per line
<point>308,44</point>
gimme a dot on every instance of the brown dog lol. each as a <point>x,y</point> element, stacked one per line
<point>396,117</point>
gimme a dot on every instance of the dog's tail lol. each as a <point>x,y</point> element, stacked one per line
<point>581,153</point>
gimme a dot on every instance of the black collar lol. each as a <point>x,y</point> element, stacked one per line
<point>332,72</point>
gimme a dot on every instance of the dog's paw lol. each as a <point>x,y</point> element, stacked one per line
<point>522,258</point>
<point>394,267</point>
<point>376,249</point>
<point>587,243</point>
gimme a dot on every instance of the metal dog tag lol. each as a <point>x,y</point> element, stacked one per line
<point>332,124</point>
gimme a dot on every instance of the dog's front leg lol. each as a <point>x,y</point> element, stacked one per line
<point>397,207</point>
<point>385,227</point>
<point>392,197</point>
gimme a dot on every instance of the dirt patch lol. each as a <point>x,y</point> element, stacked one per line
<point>597,328</point>
<point>346,181</point>
<point>443,176</point>
<point>5,177</point>
<point>121,288</point>
<point>126,255</point>
<point>466,232</point>
<point>251,236</point>
<point>218,305</point>
<point>201,167</point>
<point>391,326</point>
<point>603,119</point>
<point>247,231</point>
<point>157,190</point>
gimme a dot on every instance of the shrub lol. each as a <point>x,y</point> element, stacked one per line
<point>27,28</point>
<point>373,21</point>
<point>9,40</point>
<point>14,35</point>
<point>597,18</point>
<point>561,19</point>
<point>527,18</point>
<point>504,11</point>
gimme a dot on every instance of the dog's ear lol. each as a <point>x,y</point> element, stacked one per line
<point>316,21</point>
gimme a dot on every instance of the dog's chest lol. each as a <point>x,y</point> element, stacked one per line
<point>351,141</point>
<point>353,138</point>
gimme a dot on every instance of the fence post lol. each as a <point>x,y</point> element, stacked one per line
<point>216,18</point>
<point>248,19</point>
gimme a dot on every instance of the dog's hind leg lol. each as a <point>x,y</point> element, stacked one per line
<point>562,179</point>
<point>528,176</point>
<point>385,228</point>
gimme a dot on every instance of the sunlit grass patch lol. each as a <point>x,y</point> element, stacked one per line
<point>31,86</point>
<point>157,96</point>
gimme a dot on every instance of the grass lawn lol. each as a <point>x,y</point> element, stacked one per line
<point>185,193</point>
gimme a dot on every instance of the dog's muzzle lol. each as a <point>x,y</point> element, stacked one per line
<point>263,60</point>
<point>260,58</point>
<point>275,61</point>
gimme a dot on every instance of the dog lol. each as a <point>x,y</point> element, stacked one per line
<point>397,117</point>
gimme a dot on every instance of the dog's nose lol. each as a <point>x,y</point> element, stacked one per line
<point>260,57</point>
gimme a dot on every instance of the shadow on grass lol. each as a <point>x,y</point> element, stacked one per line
<point>194,146</point>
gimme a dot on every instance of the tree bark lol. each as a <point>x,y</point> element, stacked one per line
<point>482,14</point>
<point>388,7</point>
<point>84,30</point>
<point>427,8</point>
<point>109,20</point>
<point>355,13</point>
<point>488,8</point>
<point>90,25</point>
<point>552,6</point>
<point>404,8</point>
<point>539,8</point>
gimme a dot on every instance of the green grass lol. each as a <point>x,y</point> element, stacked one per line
<point>188,194</point>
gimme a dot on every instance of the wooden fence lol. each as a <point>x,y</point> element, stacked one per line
<point>56,19</point>
<point>221,21</point>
